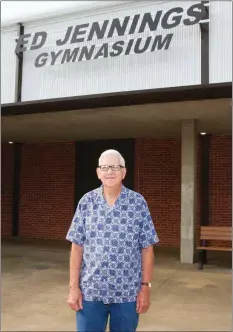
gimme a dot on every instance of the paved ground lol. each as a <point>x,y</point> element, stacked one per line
<point>183,298</point>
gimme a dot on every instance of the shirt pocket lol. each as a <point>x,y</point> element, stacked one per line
<point>95,228</point>
<point>90,225</point>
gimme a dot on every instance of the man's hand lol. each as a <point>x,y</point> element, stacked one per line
<point>75,299</point>
<point>143,300</point>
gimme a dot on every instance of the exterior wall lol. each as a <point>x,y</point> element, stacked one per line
<point>220,54</point>
<point>47,190</point>
<point>7,164</point>
<point>8,65</point>
<point>220,184</point>
<point>221,181</point>
<point>47,186</point>
<point>158,179</point>
<point>179,65</point>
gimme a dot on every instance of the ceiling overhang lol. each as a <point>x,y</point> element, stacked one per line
<point>120,99</point>
<point>148,120</point>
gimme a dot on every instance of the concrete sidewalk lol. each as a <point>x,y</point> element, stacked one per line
<point>35,284</point>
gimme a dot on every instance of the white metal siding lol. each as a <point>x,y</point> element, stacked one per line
<point>8,66</point>
<point>177,66</point>
<point>220,41</point>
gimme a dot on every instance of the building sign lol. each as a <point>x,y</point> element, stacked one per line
<point>80,34</point>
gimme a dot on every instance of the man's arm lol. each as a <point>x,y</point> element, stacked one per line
<point>143,299</point>
<point>75,294</point>
<point>76,235</point>
<point>147,263</point>
<point>147,238</point>
<point>76,257</point>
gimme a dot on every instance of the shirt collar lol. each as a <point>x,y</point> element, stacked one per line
<point>101,198</point>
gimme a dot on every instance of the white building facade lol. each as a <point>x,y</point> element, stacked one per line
<point>124,70</point>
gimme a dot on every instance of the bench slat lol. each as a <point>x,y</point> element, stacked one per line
<point>216,233</point>
<point>217,228</point>
<point>225,237</point>
<point>216,248</point>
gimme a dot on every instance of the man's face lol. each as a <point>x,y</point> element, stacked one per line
<point>111,177</point>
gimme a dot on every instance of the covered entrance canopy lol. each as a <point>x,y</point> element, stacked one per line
<point>133,115</point>
<point>153,102</point>
<point>130,115</point>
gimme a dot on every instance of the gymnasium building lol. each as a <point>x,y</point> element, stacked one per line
<point>152,79</point>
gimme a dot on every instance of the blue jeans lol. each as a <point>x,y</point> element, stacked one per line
<point>94,316</point>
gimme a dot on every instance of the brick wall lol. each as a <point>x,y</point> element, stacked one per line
<point>220,178</point>
<point>157,178</point>
<point>7,188</point>
<point>47,186</point>
<point>47,190</point>
<point>220,181</point>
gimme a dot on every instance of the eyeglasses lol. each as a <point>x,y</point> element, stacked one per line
<point>114,168</point>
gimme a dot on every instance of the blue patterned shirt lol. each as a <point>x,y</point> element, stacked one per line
<point>112,240</point>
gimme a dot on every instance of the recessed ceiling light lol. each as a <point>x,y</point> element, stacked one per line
<point>10,142</point>
<point>203,133</point>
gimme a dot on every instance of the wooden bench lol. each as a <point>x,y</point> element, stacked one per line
<point>208,233</point>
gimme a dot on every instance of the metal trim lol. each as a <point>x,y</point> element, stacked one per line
<point>204,26</point>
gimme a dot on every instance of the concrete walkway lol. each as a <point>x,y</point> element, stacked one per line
<point>35,284</point>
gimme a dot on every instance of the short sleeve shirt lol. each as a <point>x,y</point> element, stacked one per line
<point>112,240</point>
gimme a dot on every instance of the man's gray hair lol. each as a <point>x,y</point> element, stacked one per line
<point>112,153</point>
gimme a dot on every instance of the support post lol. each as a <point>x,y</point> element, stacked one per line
<point>188,191</point>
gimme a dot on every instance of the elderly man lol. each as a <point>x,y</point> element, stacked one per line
<point>112,257</point>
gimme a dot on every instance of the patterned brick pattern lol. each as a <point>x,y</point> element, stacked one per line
<point>47,190</point>
<point>220,181</point>
<point>6,188</point>
<point>47,186</point>
<point>157,178</point>
<point>220,184</point>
